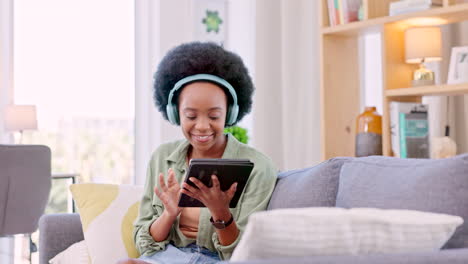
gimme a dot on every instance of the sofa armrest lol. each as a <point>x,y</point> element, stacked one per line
<point>56,233</point>
<point>452,256</point>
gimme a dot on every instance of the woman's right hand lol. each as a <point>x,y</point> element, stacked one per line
<point>169,193</point>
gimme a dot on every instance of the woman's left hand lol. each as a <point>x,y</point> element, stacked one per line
<point>213,198</point>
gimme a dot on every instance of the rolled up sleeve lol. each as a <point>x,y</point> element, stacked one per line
<point>148,213</point>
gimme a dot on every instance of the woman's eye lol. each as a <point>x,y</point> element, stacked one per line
<point>191,117</point>
<point>214,118</point>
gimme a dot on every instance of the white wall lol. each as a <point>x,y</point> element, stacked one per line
<point>371,71</point>
<point>461,102</point>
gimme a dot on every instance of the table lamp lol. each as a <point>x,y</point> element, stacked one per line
<point>20,118</point>
<point>423,44</point>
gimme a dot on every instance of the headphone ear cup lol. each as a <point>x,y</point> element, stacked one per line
<point>233,112</point>
<point>172,114</point>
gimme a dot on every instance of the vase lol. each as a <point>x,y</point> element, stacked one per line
<point>368,133</point>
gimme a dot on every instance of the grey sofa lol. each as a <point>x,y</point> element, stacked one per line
<point>439,186</point>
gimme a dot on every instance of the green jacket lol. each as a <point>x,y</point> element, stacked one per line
<point>255,197</point>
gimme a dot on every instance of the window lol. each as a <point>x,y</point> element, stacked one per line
<point>74,60</point>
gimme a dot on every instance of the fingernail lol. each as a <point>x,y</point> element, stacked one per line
<point>235,185</point>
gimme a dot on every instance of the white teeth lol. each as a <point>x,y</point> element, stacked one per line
<point>202,137</point>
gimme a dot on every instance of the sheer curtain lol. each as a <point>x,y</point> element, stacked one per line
<point>6,63</point>
<point>7,245</point>
<point>287,99</point>
<point>155,33</point>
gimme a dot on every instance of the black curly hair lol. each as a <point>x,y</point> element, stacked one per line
<point>202,57</point>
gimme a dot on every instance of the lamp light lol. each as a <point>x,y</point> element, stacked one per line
<point>20,118</point>
<point>423,44</point>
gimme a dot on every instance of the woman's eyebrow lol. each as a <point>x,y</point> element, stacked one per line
<point>193,109</point>
<point>215,108</point>
<point>189,109</point>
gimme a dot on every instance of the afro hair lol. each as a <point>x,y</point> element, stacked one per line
<point>202,57</point>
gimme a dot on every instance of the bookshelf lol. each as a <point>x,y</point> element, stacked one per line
<point>340,76</point>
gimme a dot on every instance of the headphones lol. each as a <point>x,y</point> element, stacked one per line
<point>173,112</point>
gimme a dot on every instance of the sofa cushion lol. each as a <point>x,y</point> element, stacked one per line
<point>74,254</point>
<point>321,231</point>
<point>309,187</point>
<point>439,186</point>
<point>107,213</point>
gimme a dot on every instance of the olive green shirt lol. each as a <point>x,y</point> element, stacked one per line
<point>255,197</point>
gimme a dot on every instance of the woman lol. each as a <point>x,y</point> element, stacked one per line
<point>203,88</point>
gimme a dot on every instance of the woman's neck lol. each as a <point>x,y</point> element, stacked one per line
<point>214,153</point>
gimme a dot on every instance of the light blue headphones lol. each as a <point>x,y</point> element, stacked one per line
<point>173,112</point>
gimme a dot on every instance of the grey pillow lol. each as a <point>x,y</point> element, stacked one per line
<point>439,186</point>
<point>314,186</point>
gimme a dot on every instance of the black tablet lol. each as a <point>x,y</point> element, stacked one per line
<point>228,172</point>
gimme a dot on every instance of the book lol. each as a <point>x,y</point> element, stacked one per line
<point>340,11</point>
<point>414,133</point>
<point>350,10</point>
<point>228,171</point>
<point>331,12</point>
<point>395,109</point>
<point>409,6</point>
<point>337,12</point>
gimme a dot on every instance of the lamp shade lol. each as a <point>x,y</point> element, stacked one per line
<point>423,43</point>
<point>20,117</point>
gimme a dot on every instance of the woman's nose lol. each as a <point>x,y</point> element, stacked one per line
<point>202,124</point>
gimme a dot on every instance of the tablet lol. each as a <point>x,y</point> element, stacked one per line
<point>228,172</point>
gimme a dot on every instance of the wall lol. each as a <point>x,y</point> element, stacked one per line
<point>460,38</point>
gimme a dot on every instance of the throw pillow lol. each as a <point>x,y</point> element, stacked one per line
<point>74,254</point>
<point>439,186</point>
<point>338,231</point>
<point>107,214</point>
<point>313,187</point>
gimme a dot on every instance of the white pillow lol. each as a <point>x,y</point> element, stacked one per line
<point>338,231</point>
<point>107,213</point>
<point>74,254</point>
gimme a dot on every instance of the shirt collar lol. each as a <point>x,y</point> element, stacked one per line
<point>179,155</point>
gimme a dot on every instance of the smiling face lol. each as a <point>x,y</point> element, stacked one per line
<point>202,113</point>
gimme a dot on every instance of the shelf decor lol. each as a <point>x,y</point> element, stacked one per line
<point>458,69</point>
<point>369,133</point>
<point>423,44</point>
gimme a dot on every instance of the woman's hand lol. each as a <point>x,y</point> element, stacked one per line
<point>213,198</point>
<point>169,193</point>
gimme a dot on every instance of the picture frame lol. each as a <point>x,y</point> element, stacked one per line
<point>458,68</point>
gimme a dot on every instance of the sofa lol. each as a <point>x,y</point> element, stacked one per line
<point>438,186</point>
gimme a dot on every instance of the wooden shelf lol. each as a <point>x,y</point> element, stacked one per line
<point>445,15</point>
<point>340,84</point>
<point>446,89</point>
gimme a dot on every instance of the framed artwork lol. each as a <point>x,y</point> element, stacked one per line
<point>458,68</point>
<point>209,20</point>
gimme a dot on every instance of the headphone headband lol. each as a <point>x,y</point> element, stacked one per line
<point>172,112</point>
